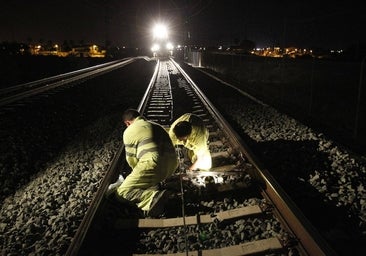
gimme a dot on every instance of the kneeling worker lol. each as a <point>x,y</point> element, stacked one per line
<point>152,157</point>
<point>190,131</point>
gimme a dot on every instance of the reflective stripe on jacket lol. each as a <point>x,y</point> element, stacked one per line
<point>152,157</point>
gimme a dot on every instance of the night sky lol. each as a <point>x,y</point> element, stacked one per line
<point>334,25</point>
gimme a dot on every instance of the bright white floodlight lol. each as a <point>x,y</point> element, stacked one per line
<point>169,46</point>
<point>155,48</point>
<point>160,31</point>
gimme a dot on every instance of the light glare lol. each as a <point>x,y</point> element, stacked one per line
<point>160,31</point>
<point>155,48</point>
<point>169,46</point>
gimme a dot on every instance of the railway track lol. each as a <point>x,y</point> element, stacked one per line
<point>235,209</point>
<point>13,94</point>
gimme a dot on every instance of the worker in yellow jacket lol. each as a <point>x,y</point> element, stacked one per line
<point>190,131</point>
<point>152,157</point>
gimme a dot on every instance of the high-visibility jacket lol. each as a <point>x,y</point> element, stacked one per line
<point>197,141</point>
<point>152,157</point>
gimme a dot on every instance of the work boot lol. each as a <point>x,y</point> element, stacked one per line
<point>158,203</point>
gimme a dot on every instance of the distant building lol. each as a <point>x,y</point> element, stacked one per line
<point>87,51</point>
<point>77,51</point>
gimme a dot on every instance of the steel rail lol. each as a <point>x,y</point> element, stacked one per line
<point>311,240</point>
<point>53,78</point>
<point>110,176</point>
<point>68,79</point>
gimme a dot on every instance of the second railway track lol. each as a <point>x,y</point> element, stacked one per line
<point>235,209</point>
<point>12,94</point>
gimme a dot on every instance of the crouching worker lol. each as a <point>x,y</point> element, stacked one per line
<point>152,158</point>
<point>190,131</point>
